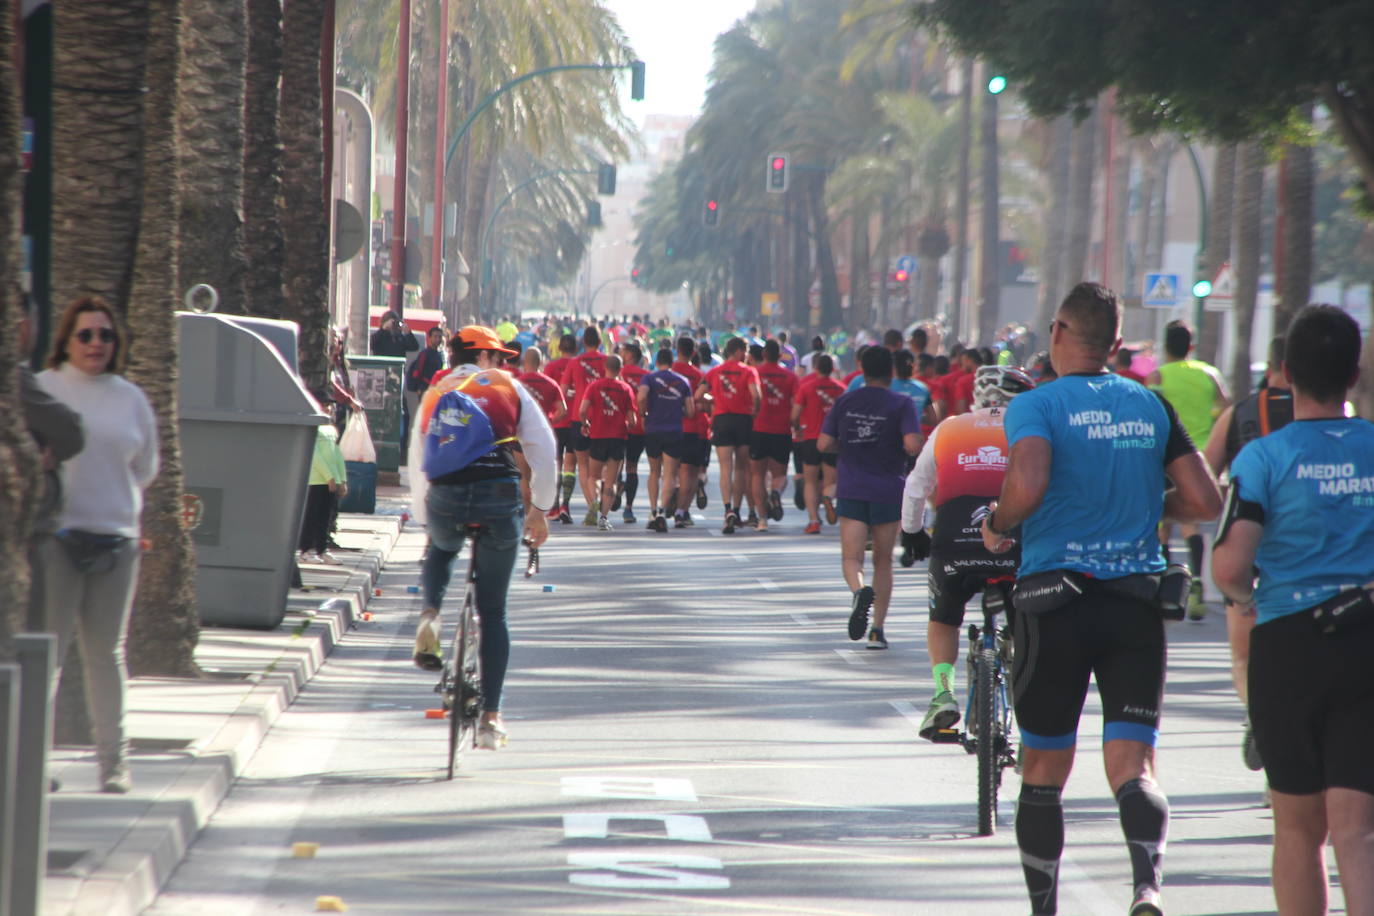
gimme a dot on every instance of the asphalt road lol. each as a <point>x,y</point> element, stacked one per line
<point>692,732</point>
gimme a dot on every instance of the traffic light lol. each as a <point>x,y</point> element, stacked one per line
<point>637,80</point>
<point>996,84</point>
<point>605,178</point>
<point>594,214</point>
<point>634,274</point>
<point>1202,289</point>
<point>777,173</point>
<point>710,215</point>
<point>901,276</point>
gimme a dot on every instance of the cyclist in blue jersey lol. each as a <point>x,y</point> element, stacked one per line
<point>1301,510</point>
<point>1085,480</point>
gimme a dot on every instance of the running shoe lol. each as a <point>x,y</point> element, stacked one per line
<point>753,519</point>
<point>775,505</point>
<point>943,713</point>
<point>603,524</point>
<point>798,494</point>
<point>590,520</point>
<point>687,521</point>
<point>701,494</point>
<point>555,514</point>
<point>1197,608</point>
<point>1146,902</point>
<point>858,613</point>
<point>812,528</point>
<point>682,520</point>
<point>615,503</point>
<point>831,516</point>
<point>491,736</point>
<point>659,524</point>
<point>628,516</point>
<point>876,640</point>
<point>731,522</point>
<point>1249,750</point>
<point>565,516</point>
<point>328,558</point>
<point>428,656</point>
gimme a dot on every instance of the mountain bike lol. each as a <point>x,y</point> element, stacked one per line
<point>988,724</point>
<point>460,684</point>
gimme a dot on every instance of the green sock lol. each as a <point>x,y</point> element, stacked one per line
<point>944,678</point>
<point>569,481</point>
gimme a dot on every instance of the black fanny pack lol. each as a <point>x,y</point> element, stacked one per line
<point>1047,591</point>
<point>1044,592</point>
<point>91,552</point>
<point>1346,612</point>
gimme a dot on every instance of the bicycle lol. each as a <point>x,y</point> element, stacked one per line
<point>988,731</point>
<point>460,683</point>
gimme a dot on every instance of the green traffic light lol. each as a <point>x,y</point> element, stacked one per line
<point>996,84</point>
<point>1202,289</point>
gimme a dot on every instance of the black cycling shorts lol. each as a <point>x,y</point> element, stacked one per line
<point>606,449</point>
<point>954,582</point>
<point>656,445</point>
<point>696,451</point>
<point>577,439</point>
<point>731,430</point>
<point>634,447</point>
<point>1116,639</point>
<point>1320,735</point>
<point>770,447</point>
<point>563,436</point>
<point>814,456</point>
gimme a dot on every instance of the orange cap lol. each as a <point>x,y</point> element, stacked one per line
<point>478,337</point>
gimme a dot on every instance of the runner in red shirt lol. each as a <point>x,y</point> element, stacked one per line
<point>962,394</point>
<point>567,456</point>
<point>734,390</point>
<point>816,394</point>
<point>631,373</point>
<point>584,369</point>
<point>770,445</point>
<point>608,411</point>
<point>696,447</point>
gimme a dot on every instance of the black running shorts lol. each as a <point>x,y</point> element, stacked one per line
<point>606,449</point>
<point>770,447</point>
<point>656,445</point>
<point>1314,732</point>
<point>1118,640</point>
<point>731,430</point>
<point>696,451</point>
<point>577,439</point>
<point>955,581</point>
<point>634,447</point>
<point>814,456</point>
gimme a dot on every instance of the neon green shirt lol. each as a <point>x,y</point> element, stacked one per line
<point>1191,386</point>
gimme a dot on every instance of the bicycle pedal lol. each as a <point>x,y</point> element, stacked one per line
<point>945,736</point>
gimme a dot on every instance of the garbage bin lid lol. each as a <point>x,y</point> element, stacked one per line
<point>227,372</point>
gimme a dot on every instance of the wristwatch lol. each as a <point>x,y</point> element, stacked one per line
<point>993,528</point>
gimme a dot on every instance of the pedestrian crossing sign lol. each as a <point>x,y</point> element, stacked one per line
<point>1161,290</point>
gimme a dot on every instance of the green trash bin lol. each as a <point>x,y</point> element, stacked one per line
<point>247,429</point>
<point>377,383</point>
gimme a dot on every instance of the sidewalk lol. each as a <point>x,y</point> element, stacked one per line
<point>110,854</point>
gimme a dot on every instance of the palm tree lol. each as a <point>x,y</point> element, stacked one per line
<point>262,154</point>
<point>1056,231</point>
<point>1297,186</point>
<point>1219,222</point>
<point>1249,199</point>
<point>211,115</point>
<point>305,216</point>
<point>1084,169</point>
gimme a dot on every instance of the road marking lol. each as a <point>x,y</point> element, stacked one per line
<point>1076,882</point>
<point>908,712</point>
<point>768,584</point>
<point>649,870</point>
<point>686,828</point>
<point>740,557</point>
<point>803,620</point>
<point>852,655</point>
<point>663,789</point>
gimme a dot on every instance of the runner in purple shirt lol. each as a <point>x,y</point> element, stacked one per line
<point>874,429</point>
<point>665,399</point>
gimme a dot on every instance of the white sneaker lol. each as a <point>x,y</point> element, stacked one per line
<point>491,737</point>
<point>603,524</point>
<point>328,558</point>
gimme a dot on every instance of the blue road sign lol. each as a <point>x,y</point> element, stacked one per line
<point>907,263</point>
<point>1161,290</point>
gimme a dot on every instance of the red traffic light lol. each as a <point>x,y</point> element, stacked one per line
<point>635,272</point>
<point>901,276</point>
<point>779,163</point>
<point>710,205</point>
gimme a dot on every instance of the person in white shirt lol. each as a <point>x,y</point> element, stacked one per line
<point>91,566</point>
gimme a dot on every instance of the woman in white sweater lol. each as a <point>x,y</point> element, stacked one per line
<point>91,565</point>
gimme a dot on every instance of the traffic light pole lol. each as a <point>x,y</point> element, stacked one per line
<point>1201,233</point>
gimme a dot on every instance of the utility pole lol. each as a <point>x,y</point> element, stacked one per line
<point>990,280</point>
<point>436,258</point>
<point>396,301</point>
<point>961,194</point>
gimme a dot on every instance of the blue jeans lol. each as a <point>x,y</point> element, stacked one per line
<point>497,507</point>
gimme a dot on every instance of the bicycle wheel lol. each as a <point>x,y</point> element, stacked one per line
<point>989,771</point>
<point>464,681</point>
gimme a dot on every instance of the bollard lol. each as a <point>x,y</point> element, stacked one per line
<point>37,657</point>
<point>9,740</point>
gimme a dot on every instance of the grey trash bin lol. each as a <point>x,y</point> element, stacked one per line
<point>247,437</point>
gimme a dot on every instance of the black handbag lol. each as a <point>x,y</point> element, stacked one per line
<point>91,552</point>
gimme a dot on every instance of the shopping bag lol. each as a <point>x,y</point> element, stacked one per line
<point>356,443</point>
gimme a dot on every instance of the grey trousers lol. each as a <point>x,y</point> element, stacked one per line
<point>94,608</point>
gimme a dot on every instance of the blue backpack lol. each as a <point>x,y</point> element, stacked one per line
<point>459,433</point>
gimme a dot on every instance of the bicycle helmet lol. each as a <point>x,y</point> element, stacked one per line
<point>995,386</point>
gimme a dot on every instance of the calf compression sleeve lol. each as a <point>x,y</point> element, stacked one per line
<point>1195,554</point>
<point>944,677</point>
<point>631,487</point>
<point>1040,837</point>
<point>1145,824</point>
<point>568,483</point>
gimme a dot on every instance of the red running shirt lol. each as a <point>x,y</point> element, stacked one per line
<point>700,423</point>
<point>610,407</point>
<point>547,392</point>
<point>777,386</point>
<point>816,394</point>
<point>730,392</point>
<point>581,372</point>
<point>632,376</point>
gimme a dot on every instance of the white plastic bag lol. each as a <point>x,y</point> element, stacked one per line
<point>356,443</point>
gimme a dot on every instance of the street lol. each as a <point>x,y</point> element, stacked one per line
<point>692,732</point>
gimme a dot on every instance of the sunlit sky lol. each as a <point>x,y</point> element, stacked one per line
<point>675,41</point>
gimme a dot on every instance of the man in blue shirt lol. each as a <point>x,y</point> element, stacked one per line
<point>1301,510</point>
<point>665,400</point>
<point>1085,480</point>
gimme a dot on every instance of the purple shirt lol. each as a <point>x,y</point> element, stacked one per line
<point>668,393</point>
<point>869,424</point>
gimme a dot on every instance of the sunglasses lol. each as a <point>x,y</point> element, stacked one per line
<point>86,334</point>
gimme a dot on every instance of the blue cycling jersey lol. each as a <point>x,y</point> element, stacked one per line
<point>1314,482</point>
<point>1110,439</point>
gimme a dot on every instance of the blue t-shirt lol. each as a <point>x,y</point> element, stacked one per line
<point>869,425</point>
<point>1314,482</point>
<point>1111,439</point>
<point>668,394</point>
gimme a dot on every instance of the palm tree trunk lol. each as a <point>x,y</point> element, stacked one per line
<point>882,260</point>
<point>932,244</point>
<point>961,205</point>
<point>1154,251</point>
<point>305,217</point>
<point>860,292</point>
<point>1219,223</point>
<point>1249,194</point>
<point>1084,168</point>
<point>19,469</point>
<point>478,203</point>
<point>1295,265</point>
<point>164,628</point>
<point>1056,223</point>
<point>262,155</point>
<point>210,112</point>
<point>825,257</point>
<point>1122,144</point>
<point>1144,212</point>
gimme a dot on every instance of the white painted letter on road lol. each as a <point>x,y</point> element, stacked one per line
<point>626,870</point>
<point>687,828</point>
<point>641,787</point>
